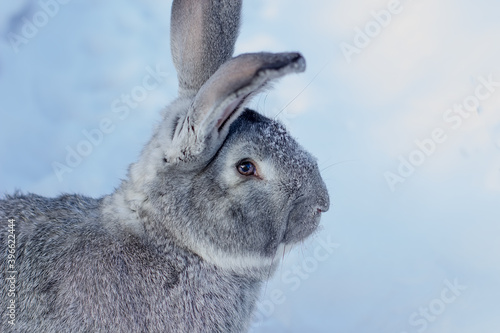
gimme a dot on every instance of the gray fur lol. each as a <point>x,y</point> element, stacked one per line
<point>213,41</point>
<point>184,244</point>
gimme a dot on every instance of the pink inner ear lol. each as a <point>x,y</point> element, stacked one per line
<point>228,111</point>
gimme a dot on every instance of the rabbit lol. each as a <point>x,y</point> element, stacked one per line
<point>187,240</point>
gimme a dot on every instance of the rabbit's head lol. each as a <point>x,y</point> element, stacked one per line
<point>223,181</point>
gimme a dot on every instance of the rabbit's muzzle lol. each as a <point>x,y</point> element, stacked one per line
<point>305,216</point>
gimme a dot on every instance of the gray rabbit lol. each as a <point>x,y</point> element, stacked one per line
<point>187,240</point>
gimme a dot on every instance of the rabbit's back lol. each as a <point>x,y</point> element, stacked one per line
<point>55,241</point>
<point>42,231</point>
<point>72,274</point>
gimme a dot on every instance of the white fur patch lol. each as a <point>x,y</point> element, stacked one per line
<point>119,207</point>
<point>238,263</point>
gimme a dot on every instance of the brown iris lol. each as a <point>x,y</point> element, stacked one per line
<point>246,168</point>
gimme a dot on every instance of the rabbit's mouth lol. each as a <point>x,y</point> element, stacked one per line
<point>303,220</point>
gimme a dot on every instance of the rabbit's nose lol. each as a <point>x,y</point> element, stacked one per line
<point>322,199</point>
<point>323,205</point>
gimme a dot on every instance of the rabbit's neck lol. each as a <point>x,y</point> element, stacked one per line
<point>120,213</point>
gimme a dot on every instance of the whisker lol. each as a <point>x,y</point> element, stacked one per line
<point>265,100</point>
<point>336,163</point>
<point>282,262</point>
<point>269,273</point>
<point>302,91</point>
<point>259,101</point>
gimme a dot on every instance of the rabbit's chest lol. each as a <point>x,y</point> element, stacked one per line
<point>167,294</point>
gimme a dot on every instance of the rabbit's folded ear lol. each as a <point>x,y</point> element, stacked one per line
<point>221,99</point>
<point>202,37</point>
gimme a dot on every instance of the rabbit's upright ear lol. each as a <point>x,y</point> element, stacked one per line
<point>201,132</point>
<point>202,37</point>
<point>203,34</point>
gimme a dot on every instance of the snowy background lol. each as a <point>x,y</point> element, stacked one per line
<point>417,253</point>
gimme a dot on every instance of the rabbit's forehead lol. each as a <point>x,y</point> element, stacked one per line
<point>269,142</point>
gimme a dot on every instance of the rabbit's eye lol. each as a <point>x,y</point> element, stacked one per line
<point>247,168</point>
